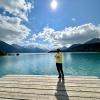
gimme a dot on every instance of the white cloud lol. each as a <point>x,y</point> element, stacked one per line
<point>73,19</point>
<point>11,28</point>
<point>18,8</point>
<point>70,35</point>
<point>39,45</point>
<point>35,45</point>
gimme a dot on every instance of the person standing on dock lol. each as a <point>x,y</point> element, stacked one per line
<point>59,66</point>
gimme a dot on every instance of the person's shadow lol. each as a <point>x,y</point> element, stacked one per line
<point>61,93</point>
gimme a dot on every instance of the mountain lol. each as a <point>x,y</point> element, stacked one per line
<point>32,50</point>
<point>95,40</point>
<point>95,47</point>
<point>63,49</point>
<point>14,48</point>
<point>29,49</point>
<point>5,47</point>
<point>20,48</point>
<point>92,45</point>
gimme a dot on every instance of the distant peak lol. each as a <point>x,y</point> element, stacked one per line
<point>94,40</point>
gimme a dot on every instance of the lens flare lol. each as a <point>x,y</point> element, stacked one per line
<point>54,4</point>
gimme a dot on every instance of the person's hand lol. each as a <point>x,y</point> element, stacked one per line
<point>57,56</point>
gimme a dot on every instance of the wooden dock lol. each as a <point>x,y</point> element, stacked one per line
<point>30,87</point>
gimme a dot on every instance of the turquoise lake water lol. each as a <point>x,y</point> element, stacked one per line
<point>79,64</point>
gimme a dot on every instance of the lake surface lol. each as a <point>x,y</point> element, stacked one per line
<point>79,64</point>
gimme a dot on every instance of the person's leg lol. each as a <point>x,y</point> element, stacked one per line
<point>58,69</point>
<point>61,70</point>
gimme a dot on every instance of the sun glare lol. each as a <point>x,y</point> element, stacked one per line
<point>54,4</point>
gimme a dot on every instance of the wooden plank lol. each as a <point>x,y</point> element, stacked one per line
<point>3,98</point>
<point>33,77</point>
<point>61,87</point>
<point>44,78</point>
<point>46,82</point>
<point>52,80</point>
<point>43,97</point>
<point>44,87</point>
<point>49,76</point>
<point>51,84</point>
<point>51,92</point>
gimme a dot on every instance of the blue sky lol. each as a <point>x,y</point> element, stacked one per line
<point>84,11</point>
<point>35,23</point>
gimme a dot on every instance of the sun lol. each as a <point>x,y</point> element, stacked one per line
<point>54,4</point>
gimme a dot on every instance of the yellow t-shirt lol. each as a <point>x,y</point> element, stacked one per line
<point>59,57</point>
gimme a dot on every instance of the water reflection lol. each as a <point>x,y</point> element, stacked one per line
<point>82,64</point>
<point>44,64</point>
